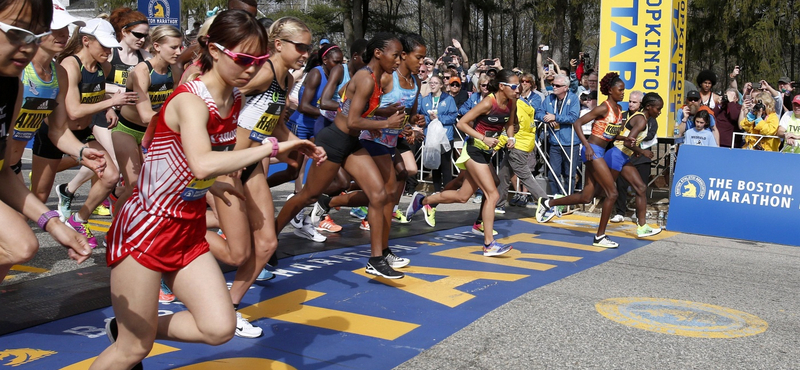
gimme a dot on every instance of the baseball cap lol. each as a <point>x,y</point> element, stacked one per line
<point>784,80</point>
<point>796,99</point>
<point>324,41</point>
<point>454,79</point>
<point>61,18</point>
<point>102,31</point>
<point>693,94</point>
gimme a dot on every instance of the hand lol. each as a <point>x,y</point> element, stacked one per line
<point>219,188</point>
<point>317,154</point>
<point>748,104</point>
<point>124,98</point>
<point>456,44</point>
<point>648,154</point>
<point>765,85</point>
<point>111,118</point>
<point>549,117</point>
<point>735,72</point>
<point>418,120</point>
<point>78,247</point>
<point>589,154</point>
<point>439,61</point>
<point>95,160</point>
<point>397,107</point>
<point>434,114</point>
<point>491,142</point>
<point>573,63</point>
<point>748,87</point>
<point>686,113</point>
<point>396,120</point>
<point>511,142</point>
<point>790,138</point>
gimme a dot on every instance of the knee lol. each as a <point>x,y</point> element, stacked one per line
<point>110,178</point>
<point>265,246</point>
<point>22,251</point>
<point>219,332</point>
<point>411,172</point>
<point>640,189</point>
<point>137,353</point>
<point>612,194</point>
<point>378,198</point>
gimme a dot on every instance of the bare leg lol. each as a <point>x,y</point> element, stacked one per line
<point>366,173</point>
<point>233,221</point>
<point>129,158</point>
<point>15,247</point>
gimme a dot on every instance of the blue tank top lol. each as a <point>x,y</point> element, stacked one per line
<point>38,101</point>
<point>298,118</point>
<point>92,84</point>
<point>345,79</point>
<point>406,97</point>
<point>161,86</point>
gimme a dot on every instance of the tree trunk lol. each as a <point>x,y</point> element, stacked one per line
<point>485,33</point>
<point>448,21</point>
<point>349,32</point>
<point>358,18</point>
<point>514,29</point>
<point>364,16</point>
<point>457,20</point>
<point>419,16</point>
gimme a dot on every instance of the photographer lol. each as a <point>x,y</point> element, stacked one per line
<point>728,119</point>
<point>790,124</point>
<point>758,117</point>
<point>454,57</point>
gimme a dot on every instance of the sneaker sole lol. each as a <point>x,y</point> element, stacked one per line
<point>376,273</point>
<point>326,230</point>
<point>405,262</point>
<point>309,237</point>
<point>248,336</point>
<point>650,234</point>
<point>492,254</point>
<point>605,246</point>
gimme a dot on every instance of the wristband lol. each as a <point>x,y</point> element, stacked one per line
<point>45,218</point>
<point>272,140</point>
<point>80,154</point>
<point>512,138</point>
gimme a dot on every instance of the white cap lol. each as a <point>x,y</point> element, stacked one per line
<point>102,31</point>
<point>61,18</point>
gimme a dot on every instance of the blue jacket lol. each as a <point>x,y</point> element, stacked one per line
<point>473,100</point>
<point>568,114</point>
<point>446,111</point>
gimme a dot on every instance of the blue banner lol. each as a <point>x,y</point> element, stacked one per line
<point>735,193</point>
<point>160,12</point>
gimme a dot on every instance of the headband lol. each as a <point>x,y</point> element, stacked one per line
<point>329,49</point>
<point>144,21</point>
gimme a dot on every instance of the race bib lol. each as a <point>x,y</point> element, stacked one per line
<point>611,131</point>
<point>266,123</point>
<point>196,189</point>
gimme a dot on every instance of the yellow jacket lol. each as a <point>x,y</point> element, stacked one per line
<point>768,127</point>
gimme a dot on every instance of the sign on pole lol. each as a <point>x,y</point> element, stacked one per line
<point>645,42</point>
<point>160,12</point>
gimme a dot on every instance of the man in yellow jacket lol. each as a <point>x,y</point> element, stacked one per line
<point>516,160</point>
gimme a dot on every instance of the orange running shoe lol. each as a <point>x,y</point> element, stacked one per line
<point>327,224</point>
<point>364,225</point>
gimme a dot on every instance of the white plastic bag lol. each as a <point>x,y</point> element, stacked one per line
<point>434,140</point>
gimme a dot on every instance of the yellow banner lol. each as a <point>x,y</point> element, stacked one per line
<point>644,41</point>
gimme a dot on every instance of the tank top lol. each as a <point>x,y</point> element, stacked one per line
<point>331,114</point>
<point>492,123</point>
<point>119,69</point>
<point>166,186</point>
<point>298,118</point>
<point>265,109</point>
<point>626,131</point>
<point>92,85</point>
<point>161,86</point>
<point>373,103</point>
<point>8,99</point>
<point>38,101</point>
<point>406,97</point>
<point>608,127</point>
<point>710,102</point>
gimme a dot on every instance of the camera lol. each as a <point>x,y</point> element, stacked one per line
<point>450,50</point>
<point>759,106</point>
<point>489,62</point>
<point>447,59</point>
<point>757,86</point>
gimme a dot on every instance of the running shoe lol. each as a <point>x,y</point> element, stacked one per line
<point>165,295</point>
<point>359,212</point>
<point>477,229</point>
<point>617,219</point>
<point>245,329</point>
<point>393,260</point>
<point>321,208</point>
<point>308,231</point>
<point>495,249</point>
<point>112,331</point>
<point>604,242</point>
<point>64,202</point>
<point>364,225</point>
<point>478,197</point>
<point>291,195</point>
<point>221,234</point>
<point>328,225</point>
<point>559,209</point>
<point>378,266</point>
<point>297,220</point>
<point>543,212</point>
<point>645,231</point>
<point>415,205</point>
<point>400,217</point>
<point>500,210</point>
<point>82,228</point>
<point>265,275</point>
<point>102,210</point>
<point>517,201</point>
<point>430,215</point>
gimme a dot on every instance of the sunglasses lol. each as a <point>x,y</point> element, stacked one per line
<point>299,46</point>
<point>692,99</point>
<point>455,84</point>
<point>554,85</point>
<point>244,60</point>
<point>513,87</point>
<point>428,63</point>
<point>484,85</point>
<point>21,36</point>
<point>525,82</point>
<point>139,35</point>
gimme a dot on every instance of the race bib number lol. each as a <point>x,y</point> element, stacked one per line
<point>196,189</point>
<point>31,116</point>
<point>264,127</point>
<point>611,131</point>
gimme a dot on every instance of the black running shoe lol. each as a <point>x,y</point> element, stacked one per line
<point>112,331</point>
<point>378,266</point>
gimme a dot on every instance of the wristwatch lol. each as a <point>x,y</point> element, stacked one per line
<point>45,218</point>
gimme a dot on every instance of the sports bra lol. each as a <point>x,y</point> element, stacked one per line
<point>608,127</point>
<point>38,101</point>
<point>92,85</point>
<point>119,69</point>
<point>492,123</point>
<point>161,86</point>
<point>265,108</point>
<point>374,100</point>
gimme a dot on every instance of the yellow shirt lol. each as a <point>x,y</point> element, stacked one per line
<point>768,127</point>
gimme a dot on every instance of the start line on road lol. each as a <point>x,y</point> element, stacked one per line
<point>322,310</point>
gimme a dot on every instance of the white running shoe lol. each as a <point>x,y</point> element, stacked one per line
<point>617,219</point>
<point>604,242</point>
<point>309,232</point>
<point>245,329</point>
<point>396,262</point>
<point>297,220</point>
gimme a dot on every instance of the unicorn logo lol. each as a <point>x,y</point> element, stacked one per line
<point>690,186</point>
<point>22,356</point>
<point>159,13</point>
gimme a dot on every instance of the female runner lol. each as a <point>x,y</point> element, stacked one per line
<point>160,230</point>
<point>342,146</point>
<point>606,127</point>
<point>493,114</point>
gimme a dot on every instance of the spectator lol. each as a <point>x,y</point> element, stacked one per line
<point>727,118</point>
<point>592,81</point>
<point>588,102</point>
<point>455,90</point>
<point>706,79</point>
<point>764,86</point>
<point>425,72</point>
<point>527,93</point>
<point>634,103</point>
<point>699,135</point>
<point>441,106</point>
<point>790,123</point>
<point>476,98</point>
<point>559,110</point>
<point>785,88</point>
<point>758,117</point>
<point>685,117</point>
<point>191,36</point>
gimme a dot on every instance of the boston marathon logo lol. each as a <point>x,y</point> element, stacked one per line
<point>21,356</point>
<point>158,9</point>
<point>691,186</point>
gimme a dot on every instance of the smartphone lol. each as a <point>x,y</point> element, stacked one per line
<point>757,86</point>
<point>552,68</point>
<point>489,62</point>
<point>545,69</point>
<point>545,48</point>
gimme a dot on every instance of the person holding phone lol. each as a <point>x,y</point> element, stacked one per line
<point>758,117</point>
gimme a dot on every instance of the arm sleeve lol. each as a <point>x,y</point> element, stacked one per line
<point>570,113</point>
<point>539,106</point>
